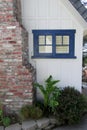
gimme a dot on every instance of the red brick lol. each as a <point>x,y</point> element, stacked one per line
<point>12,42</point>
<point>1,60</point>
<point>14,77</point>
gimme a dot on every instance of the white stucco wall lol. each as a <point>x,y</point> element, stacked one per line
<point>53,14</point>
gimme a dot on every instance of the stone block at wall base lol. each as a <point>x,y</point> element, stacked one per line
<point>29,125</point>
<point>13,127</point>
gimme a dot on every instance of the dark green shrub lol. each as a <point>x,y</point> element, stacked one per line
<point>71,106</point>
<point>28,112</point>
<point>24,112</point>
<point>36,113</point>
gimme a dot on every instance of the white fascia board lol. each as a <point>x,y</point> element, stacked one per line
<point>75,13</point>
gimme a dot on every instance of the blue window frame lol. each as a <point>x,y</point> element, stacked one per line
<point>54,43</point>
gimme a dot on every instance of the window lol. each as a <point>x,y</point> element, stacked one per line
<point>54,43</point>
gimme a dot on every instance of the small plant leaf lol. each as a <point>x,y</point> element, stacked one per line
<point>6,121</point>
<point>1,112</point>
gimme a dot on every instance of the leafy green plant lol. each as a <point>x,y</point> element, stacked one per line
<point>50,93</point>
<point>3,119</point>
<point>6,121</point>
<point>28,112</point>
<point>53,102</point>
<point>71,106</point>
<point>8,116</point>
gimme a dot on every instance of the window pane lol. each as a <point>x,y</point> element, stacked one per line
<point>66,40</point>
<point>58,39</point>
<point>48,40</point>
<point>62,49</point>
<point>41,39</point>
<point>45,49</point>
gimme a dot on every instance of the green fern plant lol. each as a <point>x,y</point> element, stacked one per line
<point>4,120</point>
<point>50,92</point>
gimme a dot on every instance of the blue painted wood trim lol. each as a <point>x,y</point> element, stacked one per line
<point>52,57</point>
<point>62,32</point>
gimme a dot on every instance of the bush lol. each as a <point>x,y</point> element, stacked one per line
<point>36,113</point>
<point>28,112</point>
<point>71,106</point>
<point>24,112</point>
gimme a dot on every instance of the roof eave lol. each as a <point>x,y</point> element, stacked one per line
<point>77,15</point>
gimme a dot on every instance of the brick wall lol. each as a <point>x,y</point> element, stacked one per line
<point>16,73</point>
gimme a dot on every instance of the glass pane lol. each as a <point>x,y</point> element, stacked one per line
<point>62,49</point>
<point>48,40</point>
<point>58,39</point>
<point>41,39</point>
<point>66,40</point>
<point>45,49</point>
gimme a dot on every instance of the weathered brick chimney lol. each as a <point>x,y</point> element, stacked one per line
<point>16,73</point>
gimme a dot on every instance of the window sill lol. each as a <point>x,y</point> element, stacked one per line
<point>53,57</point>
